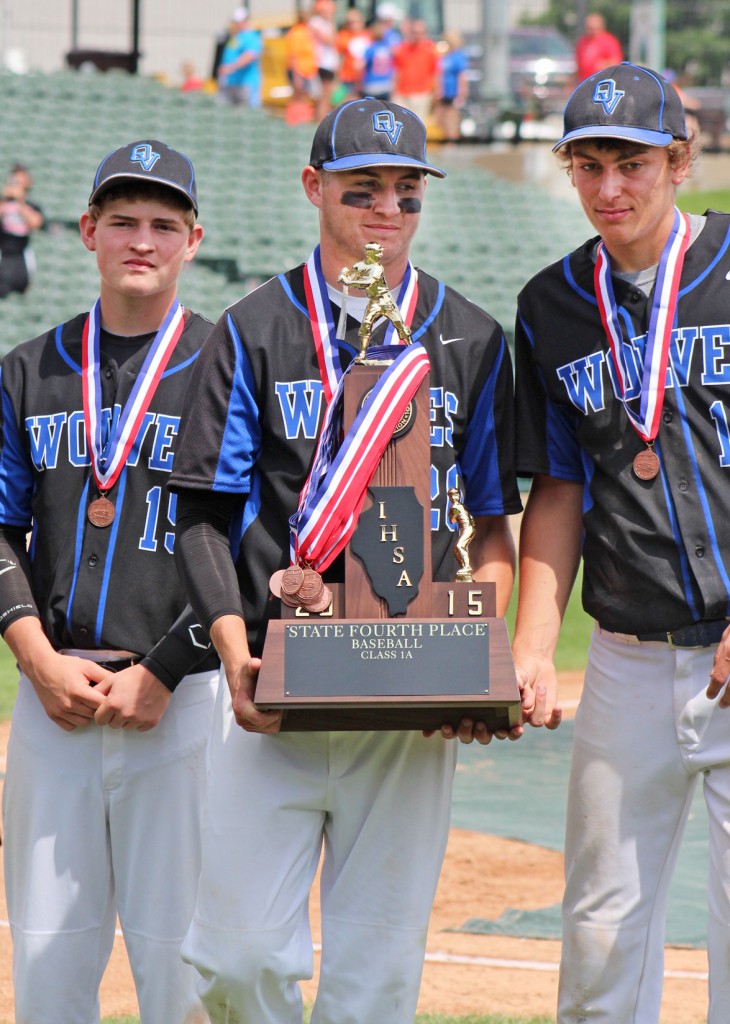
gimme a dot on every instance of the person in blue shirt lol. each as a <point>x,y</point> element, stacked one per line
<point>239,72</point>
<point>453,86</point>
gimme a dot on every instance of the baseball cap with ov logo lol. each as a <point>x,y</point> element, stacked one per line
<point>148,160</point>
<point>624,102</point>
<point>371,133</point>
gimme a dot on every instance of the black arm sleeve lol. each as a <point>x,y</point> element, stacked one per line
<point>203,554</point>
<point>16,592</point>
<point>183,647</point>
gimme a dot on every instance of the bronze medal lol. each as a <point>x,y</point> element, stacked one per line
<point>321,604</point>
<point>291,580</point>
<point>311,588</point>
<point>275,583</point>
<point>646,464</point>
<point>101,512</point>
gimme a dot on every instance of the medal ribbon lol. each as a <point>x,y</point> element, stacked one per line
<point>661,321</point>
<point>333,495</point>
<point>323,325</point>
<point>108,460</point>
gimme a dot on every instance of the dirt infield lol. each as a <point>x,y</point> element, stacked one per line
<point>463,974</point>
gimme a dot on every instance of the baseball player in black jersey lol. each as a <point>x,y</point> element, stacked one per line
<point>105,760</point>
<point>378,802</point>
<point>622,396</point>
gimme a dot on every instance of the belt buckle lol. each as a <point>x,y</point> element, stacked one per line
<point>681,647</point>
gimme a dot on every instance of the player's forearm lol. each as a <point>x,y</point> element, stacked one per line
<point>228,634</point>
<point>550,546</point>
<point>16,593</point>
<point>179,651</point>
<point>492,554</point>
<point>32,649</point>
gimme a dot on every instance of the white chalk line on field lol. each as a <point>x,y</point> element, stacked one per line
<point>493,961</point>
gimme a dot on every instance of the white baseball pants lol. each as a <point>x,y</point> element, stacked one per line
<point>380,803</point>
<point>644,733</point>
<point>102,821</point>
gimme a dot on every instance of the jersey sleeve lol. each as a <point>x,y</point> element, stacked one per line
<point>546,438</point>
<point>220,438</point>
<point>16,474</point>
<point>486,461</point>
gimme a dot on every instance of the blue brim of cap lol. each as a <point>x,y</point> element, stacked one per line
<point>347,163</point>
<point>596,131</point>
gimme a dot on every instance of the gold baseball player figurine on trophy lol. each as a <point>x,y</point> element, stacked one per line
<point>461,515</point>
<point>369,275</point>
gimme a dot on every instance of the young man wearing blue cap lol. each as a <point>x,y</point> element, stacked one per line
<point>106,754</point>
<point>622,398</point>
<point>377,802</point>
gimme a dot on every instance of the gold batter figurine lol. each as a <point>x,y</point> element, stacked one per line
<point>369,275</point>
<point>460,514</point>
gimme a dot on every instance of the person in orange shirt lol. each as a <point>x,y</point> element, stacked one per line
<point>353,40</point>
<point>301,70</point>
<point>416,68</point>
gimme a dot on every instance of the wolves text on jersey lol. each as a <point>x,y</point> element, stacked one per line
<point>59,435</point>
<point>302,404</point>
<point>584,380</point>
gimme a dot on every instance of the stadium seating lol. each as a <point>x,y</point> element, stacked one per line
<point>483,235</point>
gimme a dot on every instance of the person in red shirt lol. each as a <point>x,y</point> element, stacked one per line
<point>597,48</point>
<point>416,62</point>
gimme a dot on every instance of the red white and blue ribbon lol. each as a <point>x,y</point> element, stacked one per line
<point>108,457</point>
<point>661,322</point>
<point>324,328</point>
<point>331,500</point>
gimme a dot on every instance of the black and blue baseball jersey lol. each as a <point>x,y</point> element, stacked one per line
<point>656,553</point>
<point>114,587</point>
<point>257,402</point>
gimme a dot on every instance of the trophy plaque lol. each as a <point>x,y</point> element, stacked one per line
<point>389,648</point>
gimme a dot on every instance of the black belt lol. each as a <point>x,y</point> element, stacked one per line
<point>699,634</point>
<point>118,666</point>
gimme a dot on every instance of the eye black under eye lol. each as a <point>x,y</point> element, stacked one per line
<point>361,200</point>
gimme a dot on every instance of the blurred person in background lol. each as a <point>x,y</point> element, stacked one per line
<point>324,32</point>
<point>239,71</point>
<point>416,68</point>
<point>597,48</point>
<point>353,39</point>
<point>301,70</point>
<point>452,86</point>
<point>378,73</point>
<point>191,80</point>
<point>390,17</point>
<point>19,218</point>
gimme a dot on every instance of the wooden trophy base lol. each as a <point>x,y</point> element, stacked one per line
<point>328,673</point>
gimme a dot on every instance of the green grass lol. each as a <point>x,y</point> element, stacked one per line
<point>698,202</point>
<point>8,681</point>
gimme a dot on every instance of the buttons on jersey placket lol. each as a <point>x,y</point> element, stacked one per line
<point>680,474</point>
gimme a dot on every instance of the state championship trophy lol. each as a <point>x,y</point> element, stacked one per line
<point>389,648</point>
